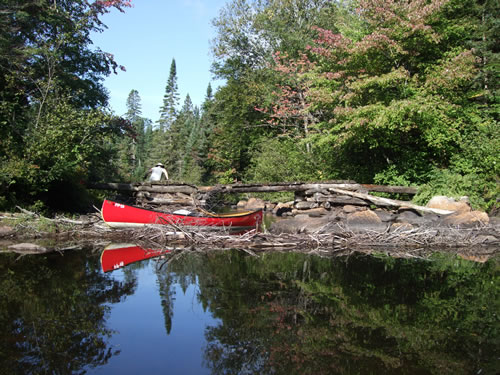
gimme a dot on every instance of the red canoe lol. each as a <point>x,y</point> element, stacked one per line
<point>118,215</point>
<point>119,255</point>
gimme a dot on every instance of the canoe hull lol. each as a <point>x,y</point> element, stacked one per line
<point>118,215</point>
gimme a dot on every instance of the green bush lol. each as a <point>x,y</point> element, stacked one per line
<point>280,160</point>
<point>481,191</point>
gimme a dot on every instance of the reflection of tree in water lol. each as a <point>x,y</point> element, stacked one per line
<point>53,313</point>
<point>295,314</point>
<point>175,268</point>
<point>167,297</point>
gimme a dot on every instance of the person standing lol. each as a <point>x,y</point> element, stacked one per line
<point>157,172</point>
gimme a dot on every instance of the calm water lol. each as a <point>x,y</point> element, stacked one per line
<point>228,312</point>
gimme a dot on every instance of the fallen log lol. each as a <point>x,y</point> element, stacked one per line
<point>170,187</point>
<point>391,202</point>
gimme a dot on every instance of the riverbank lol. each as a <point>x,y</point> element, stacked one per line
<point>333,234</point>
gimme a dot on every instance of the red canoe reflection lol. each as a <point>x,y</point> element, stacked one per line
<point>119,255</point>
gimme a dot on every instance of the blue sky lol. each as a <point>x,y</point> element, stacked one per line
<point>146,38</point>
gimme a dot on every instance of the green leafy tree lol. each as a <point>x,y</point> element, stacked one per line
<point>390,103</point>
<point>48,71</point>
<point>248,34</point>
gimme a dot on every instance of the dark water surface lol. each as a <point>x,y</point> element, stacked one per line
<point>229,312</point>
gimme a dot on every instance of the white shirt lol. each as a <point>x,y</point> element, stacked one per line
<point>157,172</point>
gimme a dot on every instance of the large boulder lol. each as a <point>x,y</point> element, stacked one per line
<point>414,218</point>
<point>467,219</point>
<point>255,204</point>
<point>450,204</point>
<point>367,217</point>
<point>367,220</point>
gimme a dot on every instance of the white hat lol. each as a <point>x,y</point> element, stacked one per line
<point>159,164</point>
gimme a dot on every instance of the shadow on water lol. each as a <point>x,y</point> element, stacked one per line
<point>274,313</point>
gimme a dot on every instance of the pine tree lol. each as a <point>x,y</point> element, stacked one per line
<point>161,138</point>
<point>178,135</point>
<point>133,106</point>
<point>137,144</point>
<point>207,123</point>
<point>168,111</point>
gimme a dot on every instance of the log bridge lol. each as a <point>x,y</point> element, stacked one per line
<point>324,194</point>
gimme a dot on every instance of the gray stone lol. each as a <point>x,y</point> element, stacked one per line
<point>410,217</point>
<point>385,216</point>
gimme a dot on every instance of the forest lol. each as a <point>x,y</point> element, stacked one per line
<point>400,92</point>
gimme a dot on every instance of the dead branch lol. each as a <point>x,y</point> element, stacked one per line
<point>390,202</point>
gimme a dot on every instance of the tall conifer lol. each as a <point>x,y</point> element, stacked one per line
<point>137,146</point>
<point>168,111</point>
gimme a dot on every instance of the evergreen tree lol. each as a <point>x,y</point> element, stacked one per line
<point>168,111</point>
<point>136,145</point>
<point>178,135</point>
<point>161,138</point>
<point>207,124</point>
<point>133,106</point>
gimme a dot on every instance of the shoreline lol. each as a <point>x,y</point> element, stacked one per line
<point>326,236</point>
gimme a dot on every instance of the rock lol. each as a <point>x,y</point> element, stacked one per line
<point>413,218</point>
<point>282,208</point>
<point>255,204</point>
<point>241,204</point>
<point>473,218</point>
<point>368,220</point>
<point>6,230</point>
<point>385,216</point>
<point>28,248</point>
<point>450,204</point>
<point>348,208</point>
<point>316,212</point>
<point>363,217</point>
<point>305,205</point>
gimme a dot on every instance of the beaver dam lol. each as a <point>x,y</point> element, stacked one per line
<point>327,218</point>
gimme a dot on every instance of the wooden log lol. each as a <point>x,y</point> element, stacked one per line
<point>160,201</point>
<point>113,186</point>
<point>337,199</point>
<point>391,189</point>
<point>392,202</point>
<point>346,200</point>
<point>168,189</point>
<point>248,188</point>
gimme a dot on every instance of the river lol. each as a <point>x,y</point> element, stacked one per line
<point>232,312</point>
